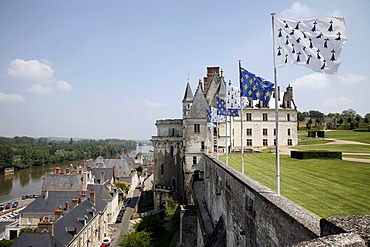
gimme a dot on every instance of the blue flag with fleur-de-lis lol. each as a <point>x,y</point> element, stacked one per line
<point>314,43</point>
<point>221,106</point>
<point>255,87</point>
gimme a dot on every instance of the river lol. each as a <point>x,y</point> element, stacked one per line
<point>26,181</point>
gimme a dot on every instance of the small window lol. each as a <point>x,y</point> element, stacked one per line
<point>249,142</point>
<point>264,117</point>
<point>162,168</point>
<point>196,128</point>
<point>274,132</point>
<point>249,132</point>
<point>249,117</point>
<point>202,145</point>
<point>288,132</point>
<point>290,143</point>
<point>29,220</point>
<point>275,142</point>
<point>194,160</point>
<point>288,117</point>
<point>264,132</point>
<point>265,143</point>
<point>171,151</point>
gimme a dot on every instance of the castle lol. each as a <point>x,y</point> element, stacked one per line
<point>180,143</point>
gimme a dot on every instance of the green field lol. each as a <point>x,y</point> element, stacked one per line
<point>325,187</point>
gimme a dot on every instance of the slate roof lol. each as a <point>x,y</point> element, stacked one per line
<point>108,174</point>
<point>55,199</point>
<point>85,209</point>
<point>30,239</point>
<point>121,167</point>
<point>71,182</point>
<point>188,96</point>
<point>200,105</point>
<point>70,221</point>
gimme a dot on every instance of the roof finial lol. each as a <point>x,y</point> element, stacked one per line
<point>188,77</point>
<point>221,72</point>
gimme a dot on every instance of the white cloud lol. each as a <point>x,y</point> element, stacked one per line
<point>12,97</point>
<point>351,79</point>
<point>338,104</point>
<point>40,89</point>
<point>297,11</point>
<point>149,103</point>
<point>40,74</point>
<point>30,70</point>
<point>64,86</point>
<point>312,81</point>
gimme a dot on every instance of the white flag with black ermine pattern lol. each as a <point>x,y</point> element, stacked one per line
<point>314,43</point>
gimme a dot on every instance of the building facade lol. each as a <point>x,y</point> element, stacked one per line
<point>180,143</point>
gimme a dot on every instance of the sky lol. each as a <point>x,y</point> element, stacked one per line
<point>110,69</point>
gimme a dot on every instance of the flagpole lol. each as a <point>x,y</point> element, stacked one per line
<point>241,127</point>
<point>217,137</point>
<point>226,146</point>
<point>276,112</point>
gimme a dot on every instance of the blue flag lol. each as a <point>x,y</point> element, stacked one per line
<point>255,87</point>
<point>221,106</point>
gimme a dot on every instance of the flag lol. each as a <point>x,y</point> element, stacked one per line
<point>232,97</point>
<point>221,106</point>
<point>255,87</point>
<point>233,112</point>
<point>314,43</point>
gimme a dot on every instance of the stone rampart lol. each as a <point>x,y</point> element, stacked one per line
<point>253,215</point>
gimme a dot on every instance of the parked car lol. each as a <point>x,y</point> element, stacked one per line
<point>2,206</point>
<point>8,205</point>
<point>119,219</point>
<point>106,240</point>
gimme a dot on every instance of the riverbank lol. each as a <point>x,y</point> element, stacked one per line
<point>22,203</point>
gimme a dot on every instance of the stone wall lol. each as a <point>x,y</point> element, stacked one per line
<point>254,215</point>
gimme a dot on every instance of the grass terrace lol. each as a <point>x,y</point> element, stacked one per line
<point>324,187</point>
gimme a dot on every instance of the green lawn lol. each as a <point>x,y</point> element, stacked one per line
<point>344,148</point>
<point>325,187</point>
<point>356,156</point>
<point>342,135</point>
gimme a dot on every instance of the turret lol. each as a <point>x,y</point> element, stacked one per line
<point>187,101</point>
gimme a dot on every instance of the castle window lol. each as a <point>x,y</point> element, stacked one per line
<point>288,104</point>
<point>196,128</point>
<point>202,145</point>
<point>249,116</point>
<point>289,142</point>
<point>264,117</point>
<point>249,132</point>
<point>194,160</point>
<point>265,143</point>
<point>249,142</point>
<point>174,184</point>
<point>288,117</point>
<point>264,132</point>
<point>162,168</point>
<point>171,151</point>
<point>275,142</point>
<point>288,132</point>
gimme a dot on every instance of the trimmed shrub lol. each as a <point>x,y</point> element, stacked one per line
<point>315,154</point>
<point>316,133</point>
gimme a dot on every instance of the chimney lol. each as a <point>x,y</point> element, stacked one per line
<point>45,225</point>
<point>74,202</point>
<point>58,213</point>
<point>102,177</point>
<point>210,72</point>
<point>92,196</point>
<point>84,180</point>
<point>66,207</point>
<point>83,195</point>
<point>57,170</point>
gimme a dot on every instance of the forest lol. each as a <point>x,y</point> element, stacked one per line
<point>22,152</point>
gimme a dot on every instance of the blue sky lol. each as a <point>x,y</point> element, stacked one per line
<point>109,69</point>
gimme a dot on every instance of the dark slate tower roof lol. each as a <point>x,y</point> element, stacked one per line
<point>188,97</point>
<point>200,105</point>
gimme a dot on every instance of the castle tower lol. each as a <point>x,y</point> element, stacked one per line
<point>187,101</point>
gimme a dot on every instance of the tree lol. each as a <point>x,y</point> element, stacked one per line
<point>151,224</point>
<point>172,213</point>
<point>316,114</point>
<point>302,115</point>
<point>136,239</point>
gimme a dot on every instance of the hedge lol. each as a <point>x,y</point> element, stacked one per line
<point>315,154</point>
<point>316,133</point>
